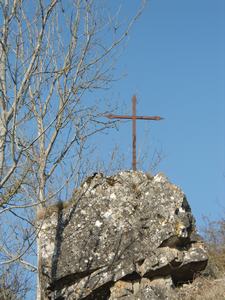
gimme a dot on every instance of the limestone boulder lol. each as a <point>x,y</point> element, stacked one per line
<point>127,236</point>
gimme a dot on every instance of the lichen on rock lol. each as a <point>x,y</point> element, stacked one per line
<point>124,236</point>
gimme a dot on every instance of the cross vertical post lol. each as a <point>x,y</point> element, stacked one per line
<point>134,160</point>
<point>134,118</point>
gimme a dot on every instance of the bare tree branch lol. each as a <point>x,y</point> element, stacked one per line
<point>53,55</point>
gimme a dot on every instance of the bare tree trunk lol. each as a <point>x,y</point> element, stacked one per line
<point>3,129</point>
<point>2,146</point>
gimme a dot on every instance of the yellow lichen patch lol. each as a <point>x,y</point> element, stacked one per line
<point>180,229</point>
<point>46,212</point>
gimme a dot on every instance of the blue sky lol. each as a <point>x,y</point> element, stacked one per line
<point>174,62</point>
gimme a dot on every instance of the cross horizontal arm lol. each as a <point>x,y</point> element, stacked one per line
<point>154,118</point>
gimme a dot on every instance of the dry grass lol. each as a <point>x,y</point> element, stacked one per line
<point>210,285</point>
<point>214,235</point>
<point>201,289</point>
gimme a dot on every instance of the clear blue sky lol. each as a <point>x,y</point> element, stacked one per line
<point>175,62</point>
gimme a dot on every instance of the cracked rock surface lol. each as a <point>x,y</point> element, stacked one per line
<point>127,236</point>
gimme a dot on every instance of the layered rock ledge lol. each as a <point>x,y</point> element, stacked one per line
<point>127,236</point>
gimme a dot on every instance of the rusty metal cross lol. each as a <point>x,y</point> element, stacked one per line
<point>134,117</point>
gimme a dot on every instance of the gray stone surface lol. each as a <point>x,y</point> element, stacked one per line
<point>128,236</point>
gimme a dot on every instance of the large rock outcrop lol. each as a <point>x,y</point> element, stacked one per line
<point>128,236</point>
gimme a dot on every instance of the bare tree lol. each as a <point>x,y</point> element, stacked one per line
<point>53,55</point>
<point>11,277</point>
